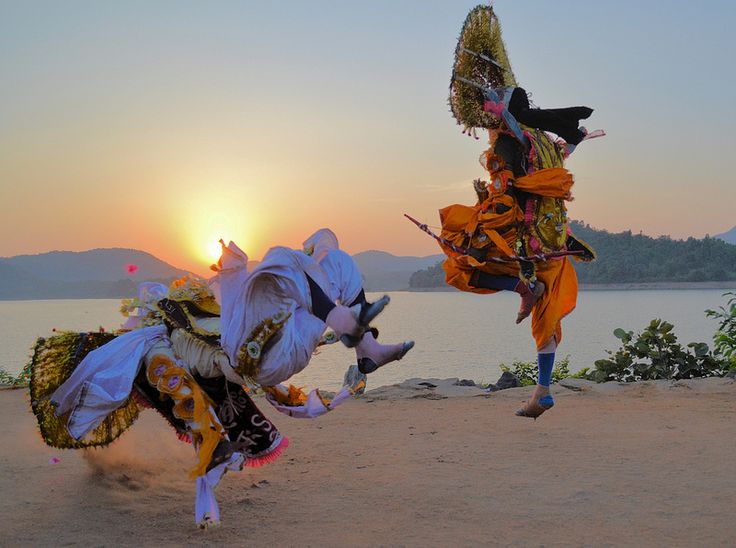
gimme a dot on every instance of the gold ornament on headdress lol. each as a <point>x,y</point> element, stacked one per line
<point>194,290</point>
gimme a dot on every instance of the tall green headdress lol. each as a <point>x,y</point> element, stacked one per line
<point>480,56</point>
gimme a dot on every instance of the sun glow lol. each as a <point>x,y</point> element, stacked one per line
<point>204,240</point>
<point>222,219</point>
<point>214,249</point>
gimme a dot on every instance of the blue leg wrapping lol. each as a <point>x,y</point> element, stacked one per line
<point>546,363</point>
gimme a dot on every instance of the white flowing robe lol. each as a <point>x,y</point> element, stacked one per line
<point>279,284</point>
<point>103,380</point>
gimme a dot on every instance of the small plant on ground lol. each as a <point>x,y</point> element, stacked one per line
<point>655,354</point>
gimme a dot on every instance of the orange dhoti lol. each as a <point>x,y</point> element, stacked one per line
<point>558,300</point>
<point>495,227</point>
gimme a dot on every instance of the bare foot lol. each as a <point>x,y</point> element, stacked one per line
<point>371,355</point>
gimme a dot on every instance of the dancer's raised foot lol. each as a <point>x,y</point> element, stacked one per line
<point>372,355</point>
<point>529,298</point>
<point>540,402</point>
<point>369,311</point>
<point>351,323</point>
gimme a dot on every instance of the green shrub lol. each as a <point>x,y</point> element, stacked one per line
<point>584,373</point>
<point>724,340</point>
<point>655,354</point>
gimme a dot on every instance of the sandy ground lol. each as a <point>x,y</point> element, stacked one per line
<point>643,465</point>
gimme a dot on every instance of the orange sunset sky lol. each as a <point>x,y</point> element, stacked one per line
<point>164,126</point>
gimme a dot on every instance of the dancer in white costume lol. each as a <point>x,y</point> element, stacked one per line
<point>318,286</point>
<point>176,349</point>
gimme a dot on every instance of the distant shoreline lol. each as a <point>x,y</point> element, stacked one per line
<point>632,286</point>
<point>659,285</point>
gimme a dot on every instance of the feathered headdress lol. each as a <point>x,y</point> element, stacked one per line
<point>480,56</point>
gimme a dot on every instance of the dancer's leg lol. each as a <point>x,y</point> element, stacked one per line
<point>529,295</point>
<point>348,322</point>
<point>322,305</point>
<point>545,365</point>
<point>371,354</point>
<point>541,399</point>
<point>343,273</point>
<point>340,318</point>
<point>492,281</point>
<point>360,299</point>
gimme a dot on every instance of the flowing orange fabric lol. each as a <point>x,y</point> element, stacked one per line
<point>474,226</point>
<point>558,300</point>
<point>477,226</point>
<point>292,397</point>
<point>553,182</point>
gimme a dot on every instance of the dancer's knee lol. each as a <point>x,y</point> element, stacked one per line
<point>549,346</point>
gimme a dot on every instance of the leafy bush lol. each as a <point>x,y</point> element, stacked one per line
<point>584,373</point>
<point>526,372</point>
<point>725,338</point>
<point>655,354</point>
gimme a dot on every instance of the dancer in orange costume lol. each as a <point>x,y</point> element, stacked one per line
<point>516,237</point>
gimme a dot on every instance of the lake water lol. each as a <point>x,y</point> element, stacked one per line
<point>457,334</point>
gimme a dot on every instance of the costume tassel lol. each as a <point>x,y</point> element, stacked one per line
<point>257,462</point>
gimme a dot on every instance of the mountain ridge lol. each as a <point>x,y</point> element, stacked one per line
<point>99,264</point>
<point>384,271</point>
<point>102,272</point>
<point>94,273</point>
<point>729,236</point>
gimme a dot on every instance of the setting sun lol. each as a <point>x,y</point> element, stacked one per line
<point>214,249</point>
<point>203,237</point>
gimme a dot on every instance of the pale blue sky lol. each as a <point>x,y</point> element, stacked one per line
<point>334,113</point>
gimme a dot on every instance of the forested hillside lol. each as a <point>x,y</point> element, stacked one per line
<point>625,257</point>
